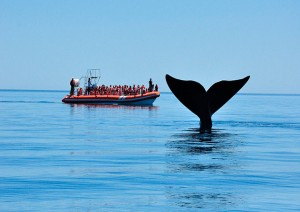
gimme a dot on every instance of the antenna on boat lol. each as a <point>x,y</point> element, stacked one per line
<point>94,75</point>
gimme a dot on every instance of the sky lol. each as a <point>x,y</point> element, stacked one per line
<point>43,44</point>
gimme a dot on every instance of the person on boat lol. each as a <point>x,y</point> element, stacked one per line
<point>150,85</point>
<point>72,84</point>
<point>156,87</point>
<point>138,90</point>
<point>88,90</point>
<point>143,89</point>
<point>130,90</point>
<point>79,91</point>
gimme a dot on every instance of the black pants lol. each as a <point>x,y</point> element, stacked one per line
<point>72,91</point>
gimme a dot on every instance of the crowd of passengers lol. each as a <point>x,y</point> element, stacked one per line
<point>118,90</point>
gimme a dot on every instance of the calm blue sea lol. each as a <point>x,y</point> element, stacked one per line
<point>61,157</point>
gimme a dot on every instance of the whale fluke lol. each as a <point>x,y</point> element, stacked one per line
<point>204,104</point>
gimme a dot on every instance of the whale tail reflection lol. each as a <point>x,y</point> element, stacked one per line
<point>201,102</point>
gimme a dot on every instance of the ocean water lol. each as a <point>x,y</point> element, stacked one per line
<point>61,157</point>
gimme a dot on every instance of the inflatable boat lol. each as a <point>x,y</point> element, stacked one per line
<point>93,93</point>
<point>139,99</point>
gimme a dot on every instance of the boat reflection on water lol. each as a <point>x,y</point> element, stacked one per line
<point>201,163</point>
<point>111,113</point>
<point>115,106</point>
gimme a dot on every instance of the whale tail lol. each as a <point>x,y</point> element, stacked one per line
<point>201,102</point>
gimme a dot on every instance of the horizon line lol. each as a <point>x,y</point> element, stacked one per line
<point>50,90</point>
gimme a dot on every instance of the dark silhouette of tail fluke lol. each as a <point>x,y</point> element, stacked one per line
<point>204,104</point>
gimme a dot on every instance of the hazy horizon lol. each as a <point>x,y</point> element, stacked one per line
<point>170,92</point>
